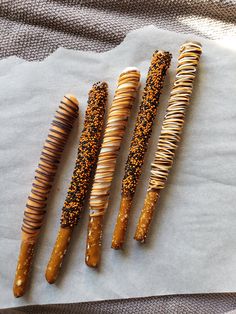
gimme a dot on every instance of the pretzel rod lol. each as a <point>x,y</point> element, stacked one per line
<point>172,126</point>
<point>42,183</point>
<point>89,145</point>
<point>117,120</point>
<point>143,128</point>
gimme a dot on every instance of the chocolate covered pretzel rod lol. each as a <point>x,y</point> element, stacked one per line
<point>44,176</point>
<point>170,134</point>
<point>117,120</point>
<point>89,145</point>
<point>143,128</point>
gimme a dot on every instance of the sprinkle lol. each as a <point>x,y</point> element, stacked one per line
<point>19,283</point>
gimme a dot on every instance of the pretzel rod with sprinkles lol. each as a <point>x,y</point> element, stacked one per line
<point>172,126</point>
<point>128,84</point>
<point>143,128</point>
<point>89,145</point>
<point>42,183</point>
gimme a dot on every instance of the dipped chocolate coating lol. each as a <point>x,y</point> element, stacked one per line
<point>143,128</point>
<point>88,150</point>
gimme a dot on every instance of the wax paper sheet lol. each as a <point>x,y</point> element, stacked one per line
<point>192,242</point>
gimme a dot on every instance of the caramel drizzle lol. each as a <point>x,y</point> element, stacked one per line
<point>117,120</point>
<point>175,114</point>
<point>49,159</point>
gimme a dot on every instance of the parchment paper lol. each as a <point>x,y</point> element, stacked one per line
<point>192,243</point>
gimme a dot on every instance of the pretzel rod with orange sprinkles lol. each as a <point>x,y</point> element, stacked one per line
<point>128,84</point>
<point>143,128</point>
<point>172,126</point>
<point>89,145</point>
<point>44,175</point>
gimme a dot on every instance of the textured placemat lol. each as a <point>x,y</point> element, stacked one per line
<point>33,29</point>
<point>179,304</point>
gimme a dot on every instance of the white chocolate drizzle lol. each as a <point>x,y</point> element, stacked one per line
<point>128,84</point>
<point>174,118</point>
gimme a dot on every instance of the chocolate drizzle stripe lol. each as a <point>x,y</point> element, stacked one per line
<point>39,194</point>
<point>38,206</point>
<point>28,231</point>
<point>35,200</point>
<point>30,225</point>
<point>61,134</point>
<point>68,112</point>
<point>48,177</point>
<point>75,108</point>
<point>38,213</point>
<point>43,181</point>
<point>31,221</point>
<point>63,117</point>
<point>41,187</point>
<point>55,143</point>
<point>49,163</point>
<point>47,168</point>
<point>61,125</point>
<point>56,150</point>
<point>68,105</point>
<point>50,158</point>
<point>63,120</point>
<point>54,138</point>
